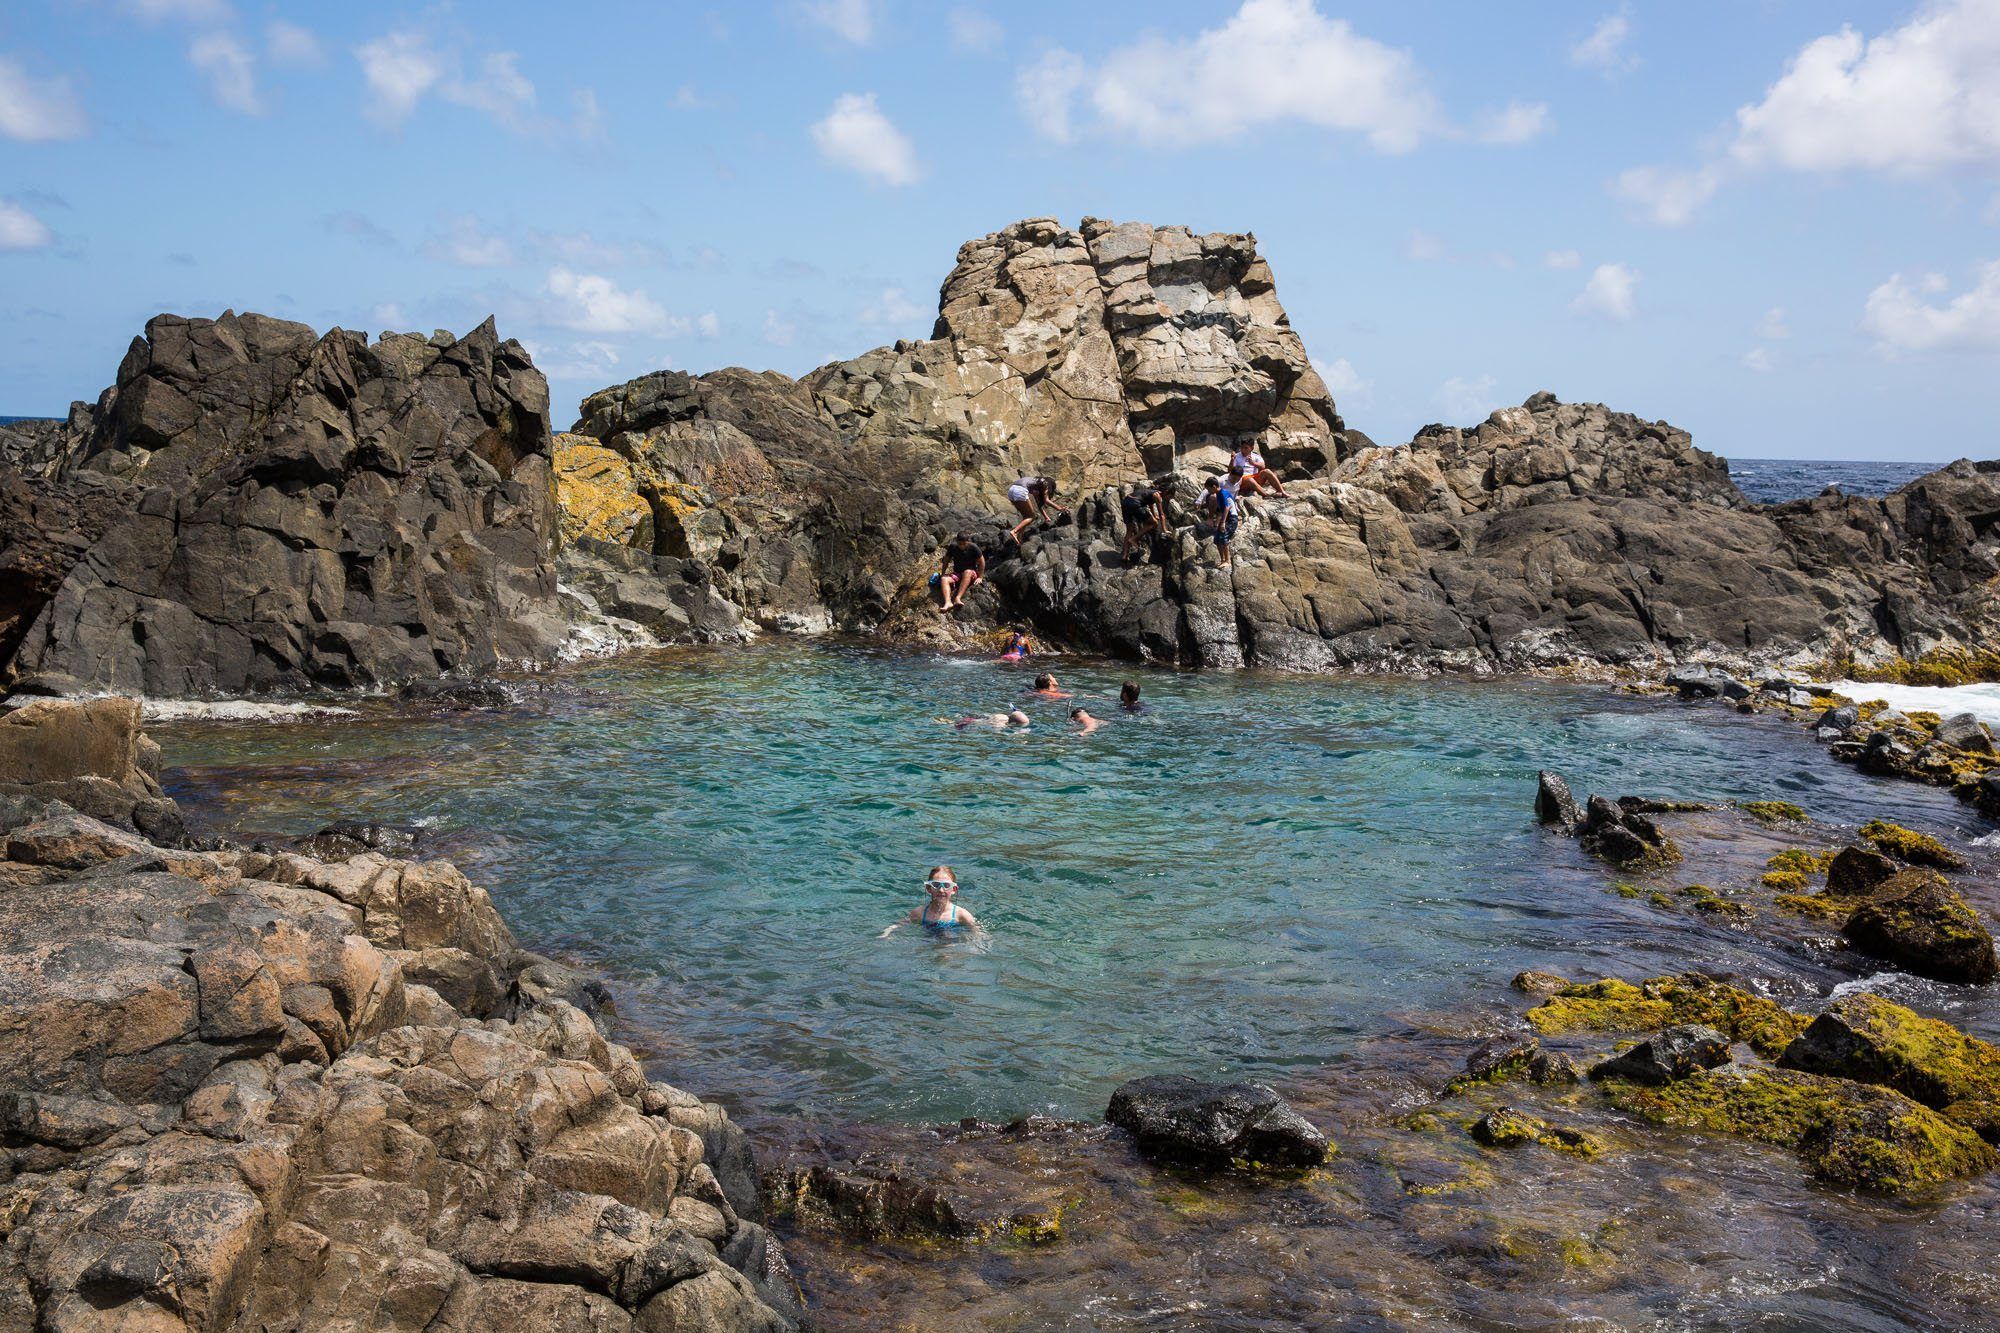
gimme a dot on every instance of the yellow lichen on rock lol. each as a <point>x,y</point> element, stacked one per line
<point>599,496</point>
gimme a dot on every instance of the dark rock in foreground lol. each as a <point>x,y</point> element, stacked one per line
<point>1922,925</point>
<point>1871,1039</point>
<point>255,507</point>
<point>1669,1054</point>
<point>1215,1124</point>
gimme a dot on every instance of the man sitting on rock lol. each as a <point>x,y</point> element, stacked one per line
<point>964,564</point>
<point>1145,512</point>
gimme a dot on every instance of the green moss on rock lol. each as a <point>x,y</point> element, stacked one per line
<point>1947,667</point>
<point>1785,881</point>
<point>1774,812</point>
<point>1504,1127</point>
<point>1612,1005</point>
<point>1873,1040</point>
<point>1911,847</point>
<point>1847,1133</point>
<point>1801,860</point>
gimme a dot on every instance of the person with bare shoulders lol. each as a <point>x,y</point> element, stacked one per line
<point>1085,723</point>
<point>939,913</point>
<point>1047,688</point>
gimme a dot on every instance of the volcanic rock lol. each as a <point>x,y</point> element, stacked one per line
<point>1671,1053</point>
<point>1184,1119</point>
<point>1922,925</point>
<point>1554,804</point>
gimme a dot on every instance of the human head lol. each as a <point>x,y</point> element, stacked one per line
<point>941,883</point>
<point>1128,693</point>
<point>1077,713</point>
<point>961,539</point>
<point>1045,681</point>
<point>1018,718</point>
<point>1212,484</point>
<point>1048,485</point>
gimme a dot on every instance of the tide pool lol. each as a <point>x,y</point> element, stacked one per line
<point>1246,878</point>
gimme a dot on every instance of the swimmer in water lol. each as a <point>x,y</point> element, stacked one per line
<point>1018,646</point>
<point>997,721</point>
<point>1128,697</point>
<point>939,913</point>
<point>1085,723</point>
<point>1045,686</point>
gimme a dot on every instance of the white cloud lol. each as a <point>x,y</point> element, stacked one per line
<point>1046,91</point>
<point>708,324</point>
<point>22,230</point>
<point>1669,197</point>
<point>1773,326</point>
<point>1761,360</point>
<point>388,315</point>
<point>1517,122</point>
<point>499,89</point>
<point>1344,381</point>
<point>856,135</point>
<point>464,243</point>
<point>1467,400</point>
<point>1604,48</point>
<point>974,30</point>
<point>591,303</point>
<point>891,309</point>
<point>581,247</point>
<point>592,359</point>
<point>35,110</point>
<point>185,11</point>
<point>400,69</point>
<point>1562,259</point>
<point>850,20</point>
<point>1902,319</point>
<point>289,44</point>
<point>230,71</point>
<point>1609,291</point>
<point>1272,61</point>
<point>778,331</point>
<point>1915,100</point>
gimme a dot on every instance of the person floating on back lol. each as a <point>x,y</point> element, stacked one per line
<point>1249,471</point>
<point>1220,511</point>
<point>939,913</point>
<point>1034,497</point>
<point>1046,687</point>
<point>1085,723</point>
<point>964,564</point>
<point>1145,511</point>
<point>997,721</point>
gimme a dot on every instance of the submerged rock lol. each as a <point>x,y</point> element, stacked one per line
<point>1671,1053</point>
<point>1504,1127</point>
<point>1244,1124</point>
<point>1846,1133</point>
<point>1873,1040</point>
<point>1922,925</point>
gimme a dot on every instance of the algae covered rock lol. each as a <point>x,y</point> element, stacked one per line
<point>1856,871</point>
<point>1611,1005</point>
<point>1185,1119</point>
<point>1873,1040</point>
<point>599,495</point>
<point>1910,846</point>
<point>1922,925</point>
<point>1847,1133</point>
<point>1774,812</point>
<point>1504,1127</point>
<point>1626,837</point>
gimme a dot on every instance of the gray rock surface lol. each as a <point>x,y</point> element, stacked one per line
<point>1188,1120</point>
<point>1672,1053</point>
<point>256,507</point>
<point>247,1090</point>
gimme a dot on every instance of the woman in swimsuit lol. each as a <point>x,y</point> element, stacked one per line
<point>1033,497</point>
<point>1247,468</point>
<point>1018,647</point>
<point>939,913</point>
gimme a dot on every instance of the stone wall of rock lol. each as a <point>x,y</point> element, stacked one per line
<point>258,507</point>
<point>251,1089</point>
<point>1550,535</point>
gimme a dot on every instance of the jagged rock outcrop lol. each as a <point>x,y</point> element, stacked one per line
<point>242,1089</point>
<point>1550,535</point>
<point>253,506</point>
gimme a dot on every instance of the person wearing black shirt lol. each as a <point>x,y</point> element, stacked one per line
<point>964,564</point>
<point>1145,512</point>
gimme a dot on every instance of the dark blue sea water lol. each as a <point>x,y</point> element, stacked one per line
<point>1775,480</point>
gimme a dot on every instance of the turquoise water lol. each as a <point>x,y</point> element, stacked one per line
<point>1243,879</point>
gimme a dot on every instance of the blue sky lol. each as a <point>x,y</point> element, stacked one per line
<point>1776,224</point>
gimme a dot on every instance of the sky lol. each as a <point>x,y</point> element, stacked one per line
<point>1773,223</point>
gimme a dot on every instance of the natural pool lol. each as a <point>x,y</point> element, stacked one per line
<point>1251,877</point>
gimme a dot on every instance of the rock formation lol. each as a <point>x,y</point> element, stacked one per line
<point>255,507</point>
<point>260,1090</point>
<point>1550,535</point>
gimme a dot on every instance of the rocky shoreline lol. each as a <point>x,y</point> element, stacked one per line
<point>252,1088</point>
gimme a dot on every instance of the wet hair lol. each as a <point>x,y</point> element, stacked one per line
<point>1128,693</point>
<point>1045,681</point>
<point>944,872</point>
<point>1076,712</point>
<point>1212,483</point>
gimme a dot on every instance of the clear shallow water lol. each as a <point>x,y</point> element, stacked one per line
<point>1251,877</point>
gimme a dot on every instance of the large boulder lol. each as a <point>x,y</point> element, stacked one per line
<point>1865,1037</point>
<point>1185,1119</point>
<point>291,510</point>
<point>1921,924</point>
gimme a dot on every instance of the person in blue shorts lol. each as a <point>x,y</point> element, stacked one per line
<point>1221,511</point>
